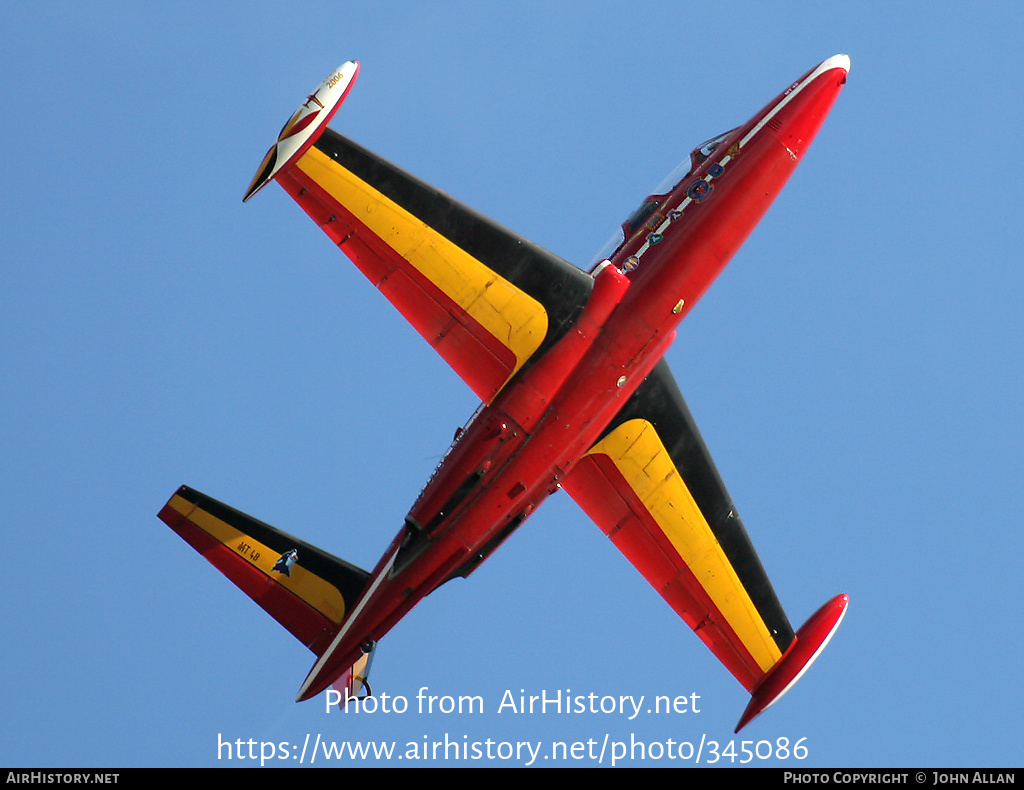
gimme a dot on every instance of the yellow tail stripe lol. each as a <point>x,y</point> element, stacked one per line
<point>510,315</point>
<point>317,592</point>
<point>640,456</point>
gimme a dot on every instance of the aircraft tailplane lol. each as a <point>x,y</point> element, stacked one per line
<point>304,588</point>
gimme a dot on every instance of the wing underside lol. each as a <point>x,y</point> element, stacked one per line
<point>489,301</point>
<point>650,485</point>
<point>485,298</point>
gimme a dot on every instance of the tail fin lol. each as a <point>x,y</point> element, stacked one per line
<point>305,589</point>
<point>354,682</point>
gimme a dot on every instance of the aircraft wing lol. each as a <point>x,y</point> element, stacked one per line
<point>487,299</point>
<point>650,485</point>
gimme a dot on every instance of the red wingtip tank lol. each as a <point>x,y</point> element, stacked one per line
<point>810,641</point>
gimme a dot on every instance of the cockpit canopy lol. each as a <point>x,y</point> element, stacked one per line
<point>696,158</point>
<point>650,204</point>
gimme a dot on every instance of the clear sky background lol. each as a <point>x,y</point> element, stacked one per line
<point>856,371</point>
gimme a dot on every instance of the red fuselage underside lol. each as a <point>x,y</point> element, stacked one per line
<point>518,449</point>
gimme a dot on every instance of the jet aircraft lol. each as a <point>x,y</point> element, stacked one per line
<point>575,394</point>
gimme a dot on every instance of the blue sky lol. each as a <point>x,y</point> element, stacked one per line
<point>855,371</point>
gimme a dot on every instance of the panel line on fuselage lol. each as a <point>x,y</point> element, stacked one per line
<point>322,661</point>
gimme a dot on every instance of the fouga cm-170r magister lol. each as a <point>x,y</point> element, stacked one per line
<point>575,394</point>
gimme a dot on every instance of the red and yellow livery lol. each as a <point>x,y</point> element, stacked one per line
<point>575,394</point>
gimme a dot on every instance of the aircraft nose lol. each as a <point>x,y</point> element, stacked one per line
<point>837,62</point>
<point>798,122</point>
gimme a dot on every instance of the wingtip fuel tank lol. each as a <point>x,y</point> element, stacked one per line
<point>810,640</point>
<point>305,124</point>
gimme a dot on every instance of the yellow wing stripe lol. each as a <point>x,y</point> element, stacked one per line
<point>640,456</point>
<point>512,316</point>
<point>317,592</point>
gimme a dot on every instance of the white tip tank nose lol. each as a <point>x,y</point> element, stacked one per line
<point>837,62</point>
